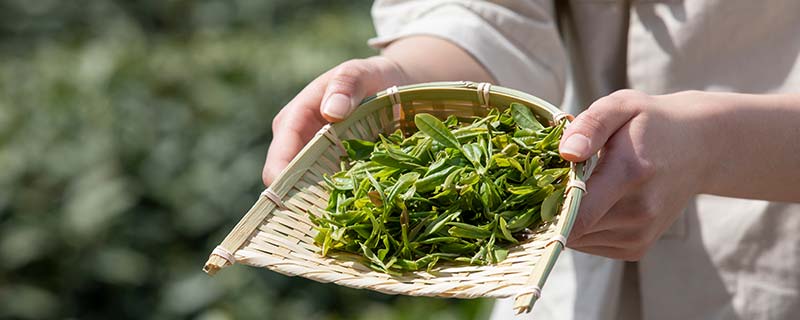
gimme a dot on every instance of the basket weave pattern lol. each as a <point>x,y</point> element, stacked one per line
<point>277,233</point>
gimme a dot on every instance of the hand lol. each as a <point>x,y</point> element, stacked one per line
<point>652,160</point>
<point>329,98</point>
<point>334,95</point>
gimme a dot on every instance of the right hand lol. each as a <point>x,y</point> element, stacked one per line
<point>329,98</point>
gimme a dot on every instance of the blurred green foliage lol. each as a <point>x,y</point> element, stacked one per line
<point>132,135</point>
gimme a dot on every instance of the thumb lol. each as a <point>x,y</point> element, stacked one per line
<point>591,129</point>
<point>352,81</point>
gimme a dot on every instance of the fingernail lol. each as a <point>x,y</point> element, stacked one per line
<point>576,145</point>
<point>337,106</point>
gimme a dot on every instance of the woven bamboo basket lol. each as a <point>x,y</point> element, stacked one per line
<point>277,234</point>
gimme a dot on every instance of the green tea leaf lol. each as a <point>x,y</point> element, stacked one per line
<point>372,257</point>
<point>505,232</point>
<point>386,159</point>
<point>459,248</point>
<point>339,181</point>
<point>523,190</point>
<point>524,117</point>
<point>358,149</point>
<point>551,204</point>
<point>436,130</point>
<point>551,175</point>
<point>500,254</point>
<point>552,138</point>
<point>465,230</point>
<point>430,182</point>
<point>437,240</point>
<point>448,192</point>
<point>403,183</point>
<point>524,220</point>
<point>440,222</point>
<point>323,237</point>
<point>472,152</point>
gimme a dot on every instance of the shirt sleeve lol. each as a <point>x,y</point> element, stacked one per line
<point>517,41</point>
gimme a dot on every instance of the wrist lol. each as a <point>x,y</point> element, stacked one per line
<point>738,138</point>
<point>704,116</point>
<point>714,147</point>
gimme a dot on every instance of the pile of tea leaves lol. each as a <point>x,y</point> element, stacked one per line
<point>449,192</point>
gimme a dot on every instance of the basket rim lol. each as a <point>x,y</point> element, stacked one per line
<point>493,92</point>
<point>496,89</point>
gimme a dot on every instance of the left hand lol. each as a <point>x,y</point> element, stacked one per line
<point>653,157</point>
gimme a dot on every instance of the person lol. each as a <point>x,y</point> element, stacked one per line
<point>692,211</point>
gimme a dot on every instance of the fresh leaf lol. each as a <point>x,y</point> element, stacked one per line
<point>436,130</point>
<point>448,192</point>
<point>358,149</point>
<point>524,117</point>
<point>551,204</point>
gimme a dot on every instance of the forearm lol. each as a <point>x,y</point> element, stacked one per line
<point>755,141</point>
<point>425,59</point>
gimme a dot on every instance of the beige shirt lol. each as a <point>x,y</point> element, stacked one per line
<point>724,258</point>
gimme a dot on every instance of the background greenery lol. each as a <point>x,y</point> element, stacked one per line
<point>132,136</point>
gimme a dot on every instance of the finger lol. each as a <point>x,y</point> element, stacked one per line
<point>613,252</point>
<point>608,184</point>
<point>592,128</point>
<point>288,142</point>
<point>305,114</point>
<point>352,81</point>
<point>629,212</point>
<point>293,127</point>
<point>622,237</point>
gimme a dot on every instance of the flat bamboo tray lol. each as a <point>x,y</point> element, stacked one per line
<point>277,233</point>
